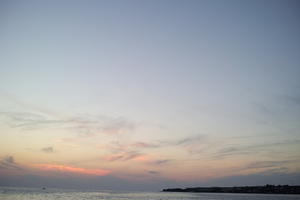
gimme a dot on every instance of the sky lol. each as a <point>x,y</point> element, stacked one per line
<point>146,95</point>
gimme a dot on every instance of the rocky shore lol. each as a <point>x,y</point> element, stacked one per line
<point>267,189</point>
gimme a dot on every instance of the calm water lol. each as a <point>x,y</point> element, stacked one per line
<point>9,193</point>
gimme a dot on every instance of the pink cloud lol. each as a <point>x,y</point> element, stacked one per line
<point>77,170</point>
<point>142,158</point>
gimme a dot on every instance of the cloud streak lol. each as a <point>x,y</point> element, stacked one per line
<point>153,172</point>
<point>269,164</point>
<point>125,156</point>
<point>145,145</point>
<point>161,161</point>
<point>29,120</point>
<point>251,149</point>
<point>71,169</point>
<point>83,125</point>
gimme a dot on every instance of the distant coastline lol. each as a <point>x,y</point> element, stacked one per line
<point>267,189</point>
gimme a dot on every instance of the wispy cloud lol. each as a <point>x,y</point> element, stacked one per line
<point>122,150</point>
<point>191,140</point>
<point>117,147</point>
<point>252,149</point>
<point>90,125</point>
<point>118,125</point>
<point>9,163</point>
<point>193,144</point>
<point>125,156</point>
<point>29,120</point>
<point>84,125</point>
<point>134,151</point>
<point>268,164</point>
<point>236,150</point>
<point>161,162</point>
<point>48,149</point>
<point>145,145</point>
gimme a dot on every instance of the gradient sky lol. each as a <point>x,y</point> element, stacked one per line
<point>149,94</point>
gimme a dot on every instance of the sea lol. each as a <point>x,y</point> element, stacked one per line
<point>14,193</point>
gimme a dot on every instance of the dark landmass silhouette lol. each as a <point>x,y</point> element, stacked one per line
<point>267,189</point>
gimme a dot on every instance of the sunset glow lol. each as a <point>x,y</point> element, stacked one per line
<point>76,170</point>
<point>140,95</point>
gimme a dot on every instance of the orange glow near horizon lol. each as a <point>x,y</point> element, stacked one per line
<point>64,168</point>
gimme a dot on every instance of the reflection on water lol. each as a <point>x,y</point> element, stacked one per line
<point>10,193</point>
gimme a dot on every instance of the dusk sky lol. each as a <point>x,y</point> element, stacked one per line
<point>148,94</point>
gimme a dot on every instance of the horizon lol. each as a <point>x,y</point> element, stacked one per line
<point>143,190</point>
<point>146,95</point>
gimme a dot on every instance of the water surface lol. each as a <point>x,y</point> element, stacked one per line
<point>13,193</point>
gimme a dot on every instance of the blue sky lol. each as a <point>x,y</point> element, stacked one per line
<point>161,88</point>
